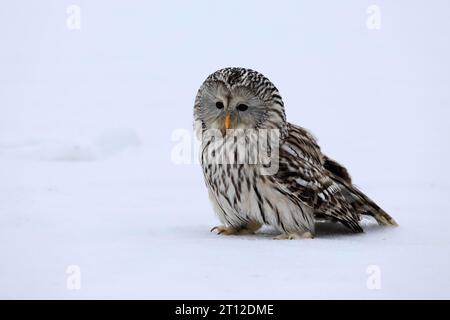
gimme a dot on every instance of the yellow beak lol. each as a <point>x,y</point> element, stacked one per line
<point>227,121</point>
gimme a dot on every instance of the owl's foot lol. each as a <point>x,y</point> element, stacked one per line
<point>294,236</point>
<point>251,228</point>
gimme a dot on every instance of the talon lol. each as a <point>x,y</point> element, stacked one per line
<point>245,230</point>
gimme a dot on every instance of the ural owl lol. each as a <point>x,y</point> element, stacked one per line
<point>306,185</point>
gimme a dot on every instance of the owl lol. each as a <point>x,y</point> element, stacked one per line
<point>304,186</point>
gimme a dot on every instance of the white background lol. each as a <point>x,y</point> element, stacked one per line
<point>86,118</point>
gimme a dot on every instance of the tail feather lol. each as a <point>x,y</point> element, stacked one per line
<point>361,203</point>
<point>365,206</point>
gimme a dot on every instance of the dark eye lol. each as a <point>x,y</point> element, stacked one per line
<point>219,105</point>
<point>242,107</point>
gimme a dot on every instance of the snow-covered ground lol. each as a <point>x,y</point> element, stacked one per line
<point>89,186</point>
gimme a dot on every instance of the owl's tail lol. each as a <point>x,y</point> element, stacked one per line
<point>365,206</point>
<point>362,203</point>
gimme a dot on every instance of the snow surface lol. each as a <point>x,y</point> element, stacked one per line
<point>86,123</point>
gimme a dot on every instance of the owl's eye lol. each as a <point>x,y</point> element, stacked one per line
<point>219,105</point>
<point>242,107</point>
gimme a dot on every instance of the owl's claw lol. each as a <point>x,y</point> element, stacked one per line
<point>294,236</point>
<point>228,231</point>
<point>224,230</point>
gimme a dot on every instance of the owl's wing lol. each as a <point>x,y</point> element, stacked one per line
<point>303,174</point>
<point>336,168</point>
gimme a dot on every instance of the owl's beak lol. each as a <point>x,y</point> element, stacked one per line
<point>227,121</point>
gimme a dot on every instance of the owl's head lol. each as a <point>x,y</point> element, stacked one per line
<point>238,98</point>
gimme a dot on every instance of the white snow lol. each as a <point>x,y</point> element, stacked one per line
<point>87,116</point>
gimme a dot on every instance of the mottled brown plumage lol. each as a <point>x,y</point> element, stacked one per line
<point>305,187</point>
